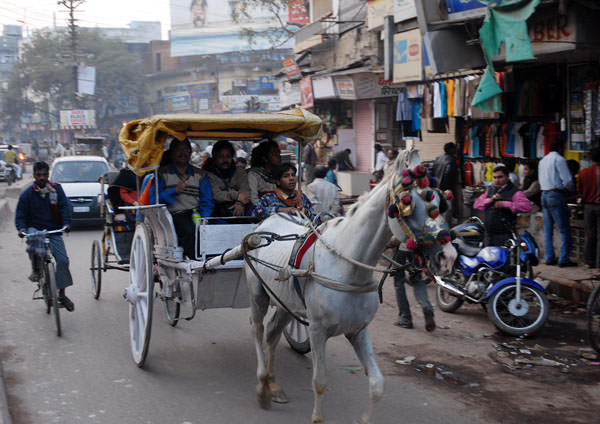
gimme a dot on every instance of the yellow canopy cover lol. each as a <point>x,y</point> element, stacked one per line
<point>143,140</point>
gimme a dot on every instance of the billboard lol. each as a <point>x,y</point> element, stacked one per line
<point>77,119</point>
<point>206,27</point>
<point>408,57</point>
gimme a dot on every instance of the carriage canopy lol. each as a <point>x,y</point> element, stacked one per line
<point>143,140</point>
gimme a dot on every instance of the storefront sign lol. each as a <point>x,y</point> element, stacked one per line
<point>323,87</point>
<point>289,93</point>
<point>76,119</point>
<point>408,57</point>
<point>345,88</point>
<point>372,86</point>
<point>551,33</point>
<point>291,68</point>
<point>297,13</point>
<point>306,93</point>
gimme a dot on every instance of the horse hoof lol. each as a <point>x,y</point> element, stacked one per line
<point>317,419</point>
<point>279,396</point>
<point>264,397</point>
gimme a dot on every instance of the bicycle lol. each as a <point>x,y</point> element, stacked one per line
<point>593,315</point>
<point>40,244</point>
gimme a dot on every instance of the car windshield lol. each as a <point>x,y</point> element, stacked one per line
<point>78,171</point>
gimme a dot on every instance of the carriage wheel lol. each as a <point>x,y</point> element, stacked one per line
<point>96,269</point>
<point>140,294</point>
<point>297,337</point>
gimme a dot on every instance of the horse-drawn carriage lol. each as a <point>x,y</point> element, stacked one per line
<point>319,275</point>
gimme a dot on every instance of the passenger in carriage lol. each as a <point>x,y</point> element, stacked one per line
<point>285,198</point>
<point>229,183</point>
<point>264,160</point>
<point>183,188</point>
<point>123,192</point>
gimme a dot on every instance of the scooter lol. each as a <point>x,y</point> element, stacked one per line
<point>493,277</point>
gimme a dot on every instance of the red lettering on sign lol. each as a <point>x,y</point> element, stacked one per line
<point>563,27</point>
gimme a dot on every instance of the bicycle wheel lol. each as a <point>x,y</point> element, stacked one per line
<point>96,269</point>
<point>51,286</point>
<point>44,289</point>
<point>593,319</point>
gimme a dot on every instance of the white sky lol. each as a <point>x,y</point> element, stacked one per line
<point>34,14</point>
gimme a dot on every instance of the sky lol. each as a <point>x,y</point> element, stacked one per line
<point>35,14</point>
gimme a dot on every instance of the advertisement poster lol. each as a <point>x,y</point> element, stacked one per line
<point>377,10</point>
<point>77,119</point>
<point>408,57</point>
<point>306,93</point>
<point>206,27</point>
<point>297,12</point>
<point>291,68</point>
<point>404,9</point>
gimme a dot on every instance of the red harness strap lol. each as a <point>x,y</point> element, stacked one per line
<point>308,242</point>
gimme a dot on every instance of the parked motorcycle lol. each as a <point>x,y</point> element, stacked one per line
<point>493,277</point>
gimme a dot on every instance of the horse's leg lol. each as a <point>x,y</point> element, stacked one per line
<point>259,306</point>
<point>318,340</point>
<point>275,328</point>
<point>361,342</point>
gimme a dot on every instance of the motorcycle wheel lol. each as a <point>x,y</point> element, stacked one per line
<point>516,320</point>
<point>446,301</point>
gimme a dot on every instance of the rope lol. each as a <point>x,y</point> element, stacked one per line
<point>337,253</point>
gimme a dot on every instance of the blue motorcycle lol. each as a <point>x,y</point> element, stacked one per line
<point>500,278</point>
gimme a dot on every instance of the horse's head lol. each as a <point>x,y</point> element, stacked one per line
<point>414,212</point>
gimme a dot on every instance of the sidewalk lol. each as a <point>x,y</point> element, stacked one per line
<point>573,282</point>
<point>4,413</point>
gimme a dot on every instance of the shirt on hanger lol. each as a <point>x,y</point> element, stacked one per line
<point>437,101</point>
<point>450,96</point>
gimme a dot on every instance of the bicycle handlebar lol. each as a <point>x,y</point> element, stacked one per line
<point>59,231</point>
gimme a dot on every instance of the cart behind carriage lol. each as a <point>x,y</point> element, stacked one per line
<point>213,279</point>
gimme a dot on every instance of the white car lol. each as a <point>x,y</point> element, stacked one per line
<point>79,177</point>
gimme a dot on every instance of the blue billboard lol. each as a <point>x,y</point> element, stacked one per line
<point>459,6</point>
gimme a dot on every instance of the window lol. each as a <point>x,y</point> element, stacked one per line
<point>158,64</point>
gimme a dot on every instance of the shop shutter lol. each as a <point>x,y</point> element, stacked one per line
<point>364,135</point>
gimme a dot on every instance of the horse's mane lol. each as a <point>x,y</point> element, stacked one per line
<point>398,165</point>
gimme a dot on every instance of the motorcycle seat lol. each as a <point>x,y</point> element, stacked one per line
<point>466,249</point>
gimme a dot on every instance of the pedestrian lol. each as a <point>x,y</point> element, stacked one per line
<point>445,170</point>
<point>531,185</point>
<point>309,158</point>
<point>391,154</point>
<point>44,206</point>
<point>500,204</point>
<point>323,194</point>
<point>380,161</point>
<point>556,182</point>
<point>419,284</point>
<point>330,176</point>
<point>588,186</point>
<point>59,149</point>
<point>343,159</point>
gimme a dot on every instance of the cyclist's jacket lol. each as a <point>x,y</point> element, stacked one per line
<point>45,209</point>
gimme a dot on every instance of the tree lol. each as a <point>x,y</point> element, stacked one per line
<point>45,74</point>
<point>243,10</point>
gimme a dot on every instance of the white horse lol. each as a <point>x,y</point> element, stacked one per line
<point>359,237</point>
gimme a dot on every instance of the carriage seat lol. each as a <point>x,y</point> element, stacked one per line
<point>213,240</point>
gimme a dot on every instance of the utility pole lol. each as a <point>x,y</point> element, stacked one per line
<point>71,5</point>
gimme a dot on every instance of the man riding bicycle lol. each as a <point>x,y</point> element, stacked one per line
<point>44,206</point>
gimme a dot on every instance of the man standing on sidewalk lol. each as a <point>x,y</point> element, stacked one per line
<point>588,186</point>
<point>446,171</point>
<point>556,182</point>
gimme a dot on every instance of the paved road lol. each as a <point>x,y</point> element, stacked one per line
<point>200,372</point>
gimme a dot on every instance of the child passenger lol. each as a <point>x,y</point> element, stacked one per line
<point>285,198</point>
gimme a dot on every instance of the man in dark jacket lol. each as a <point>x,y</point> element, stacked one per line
<point>44,206</point>
<point>446,171</point>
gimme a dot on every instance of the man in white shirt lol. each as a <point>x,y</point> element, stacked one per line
<point>380,161</point>
<point>556,181</point>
